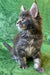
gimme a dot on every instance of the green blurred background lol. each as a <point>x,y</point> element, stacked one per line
<point>9,12</point>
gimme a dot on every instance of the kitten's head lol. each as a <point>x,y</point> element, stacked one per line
<point>26,18</point>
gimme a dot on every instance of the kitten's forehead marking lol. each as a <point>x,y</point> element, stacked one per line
<point>25,13</point>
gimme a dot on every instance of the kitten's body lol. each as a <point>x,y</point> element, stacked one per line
<point>28,42</point>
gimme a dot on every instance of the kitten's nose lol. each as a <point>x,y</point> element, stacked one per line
<point>19,21</point>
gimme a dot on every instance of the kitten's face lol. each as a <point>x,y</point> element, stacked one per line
<point>25,21</point>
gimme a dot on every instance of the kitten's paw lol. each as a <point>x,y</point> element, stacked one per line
<point>40,70</point>
<point>23,66</point>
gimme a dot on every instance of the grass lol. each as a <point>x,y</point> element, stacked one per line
<point>9,12</point>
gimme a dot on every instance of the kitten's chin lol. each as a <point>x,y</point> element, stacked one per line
<point>18,27</point>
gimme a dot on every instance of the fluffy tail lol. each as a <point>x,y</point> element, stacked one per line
<point>7,46</point>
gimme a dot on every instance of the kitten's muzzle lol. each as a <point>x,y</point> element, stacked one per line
<point>19,21</point>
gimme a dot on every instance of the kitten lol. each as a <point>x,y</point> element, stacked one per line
<point>28,41</point>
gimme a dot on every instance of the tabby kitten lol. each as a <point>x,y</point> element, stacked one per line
<point>28,41</point>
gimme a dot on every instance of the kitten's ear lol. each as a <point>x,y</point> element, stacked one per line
<point>22,8</point>
<point>34,10</point>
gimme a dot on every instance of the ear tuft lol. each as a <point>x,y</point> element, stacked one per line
<point>34,10</point>
<point>22,8</point>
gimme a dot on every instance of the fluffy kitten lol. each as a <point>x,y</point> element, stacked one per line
<point>28,41</point>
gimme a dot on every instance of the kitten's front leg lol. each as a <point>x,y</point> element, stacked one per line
<point>37,64</point>
<point>22,62</point>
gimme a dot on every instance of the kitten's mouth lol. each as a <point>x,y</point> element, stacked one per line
<point>21,27</point>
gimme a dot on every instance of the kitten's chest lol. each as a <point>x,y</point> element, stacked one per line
<point>27,46</point>
<point>30,48</point>
<point>27,42</point>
